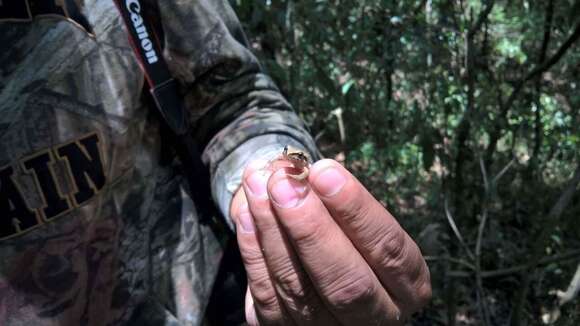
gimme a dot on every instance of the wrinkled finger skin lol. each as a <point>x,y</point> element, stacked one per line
<point>289,279</point>
<point>386,247</point>
<point>262,304</point>
<point>331,249</point>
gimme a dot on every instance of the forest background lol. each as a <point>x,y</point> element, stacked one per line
<point>462,118</point>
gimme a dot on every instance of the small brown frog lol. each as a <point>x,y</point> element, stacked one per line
<point>298,159</point>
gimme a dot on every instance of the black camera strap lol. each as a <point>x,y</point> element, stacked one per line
<point>164,90</point>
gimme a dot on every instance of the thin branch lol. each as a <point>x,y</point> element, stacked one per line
<point>480,233</point>
<point>451,260</point>
<point>481,229</point>
<point>419,7</point>
<point>538,125</point>
<point>540,69</point>
<point>547,31</point>
<point>464,128</point>
<point>544,261</point>
<point>339,119</point>
<point>484,175</point>
<point>572,291</point>
<point>483,222</point>
<point>503,171</point>
<point>564,297</point>
<point>538,112</point>
<point>481,18</point>
<point>572,255</point>
<point>537,248</point>
<point>566,196</point>
<point>482,303</point>
<point>557,56</point>
<point>456,230</point>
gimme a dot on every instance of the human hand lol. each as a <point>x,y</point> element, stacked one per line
<point>323,251</point>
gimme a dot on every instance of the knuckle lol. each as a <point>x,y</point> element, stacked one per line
<point>263,292</point>
<point>352,293</point>
<point>391,250</point>
<point>252,257</point>
<point>308,233</point>
<point>290,283</point>
<point>265,300</point>
<point>296,292</point>
<point>260,283</point>
<point>353,208</point>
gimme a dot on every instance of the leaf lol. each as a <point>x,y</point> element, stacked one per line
<point>347,86</point>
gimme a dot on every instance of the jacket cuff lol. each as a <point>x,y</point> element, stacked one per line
<point>227,177</point>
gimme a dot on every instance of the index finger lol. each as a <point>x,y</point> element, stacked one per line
<point>346,284</point>
<point>388,249</point>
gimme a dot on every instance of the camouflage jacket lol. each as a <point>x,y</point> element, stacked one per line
<point>96,226</point>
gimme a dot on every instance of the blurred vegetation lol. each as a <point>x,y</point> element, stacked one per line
<point>462,118</point>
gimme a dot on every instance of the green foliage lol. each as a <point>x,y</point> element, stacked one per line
<point>428,98</point>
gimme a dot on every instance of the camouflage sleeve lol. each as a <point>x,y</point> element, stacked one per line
<point>228,175</point>
<point>238,112</point>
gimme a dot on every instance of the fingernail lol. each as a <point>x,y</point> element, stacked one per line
<point>329,182</point>
<point>258,183</point>
<point>288,193</point>
<point>246,219</point>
